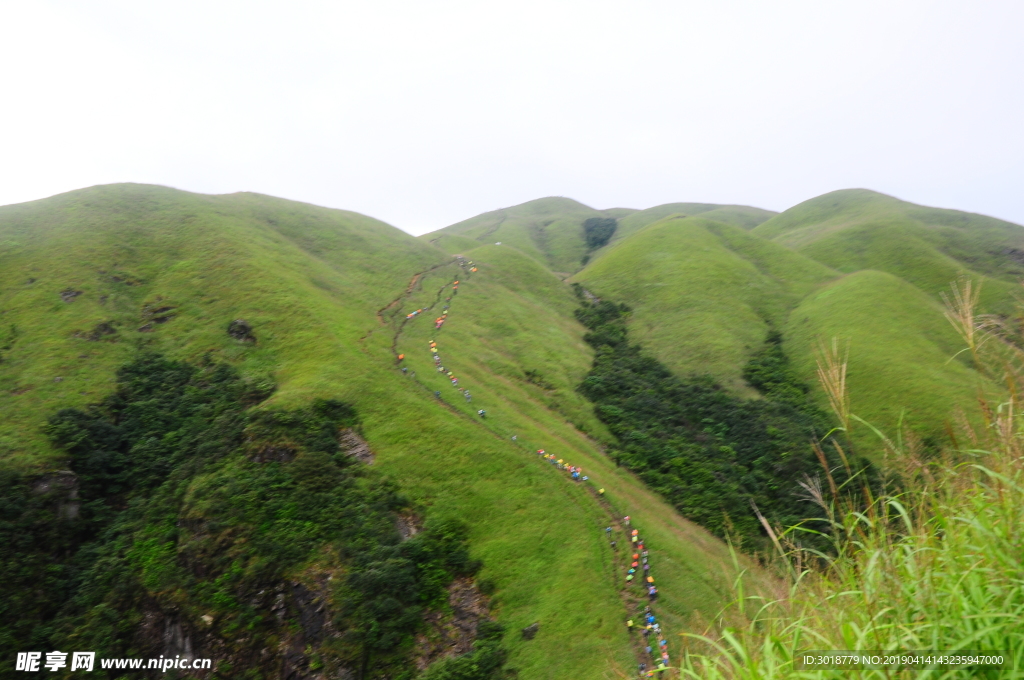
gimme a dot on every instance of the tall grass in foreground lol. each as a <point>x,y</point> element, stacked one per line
<point>936,565</point>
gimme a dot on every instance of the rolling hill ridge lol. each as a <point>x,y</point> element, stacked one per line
<point>310,306</point>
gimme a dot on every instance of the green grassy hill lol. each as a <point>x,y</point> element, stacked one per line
<point>738,215</point>
<point>900,348</point>
<point>549,230</point>
<point>858,229</point>
<point>91,278</point>
<point>704,293</point>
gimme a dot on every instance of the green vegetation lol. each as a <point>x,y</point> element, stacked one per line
<point>485,662</point>
<point>711,454</point>
<point>186,504</point>
<point>315,301</point>
<point>310,283</point>
<point>598,230</point>
<point>856,229</point>
<point>934,565</point>
<point>704,294</point>
<point>550,230</point>
<point>736,215</point>
<point>902,373</point>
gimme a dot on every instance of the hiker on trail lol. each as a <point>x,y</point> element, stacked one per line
<point>469,397</point>
<point>629,577</point>
<point>647,567</point>
<point>404,369</point>
<point>401,356</point>
<point>631,571</point>
<point>629,625</point>
<point>482,413</point>
<point>608,530</point>
<point>513,437</point>
<point>650,619</point>
<point>625,520</point>
<point>635,532</point>
<point>634,565</point>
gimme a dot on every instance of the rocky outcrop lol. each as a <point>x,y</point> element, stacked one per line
<point>241,330</point>
<point>355,446</point>
<point>63,486</point>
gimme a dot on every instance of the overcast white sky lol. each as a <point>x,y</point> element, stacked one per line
<point>426,113</point>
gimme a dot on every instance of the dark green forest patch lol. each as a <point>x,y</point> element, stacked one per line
<point>188,522</point>
<point>713,455</point>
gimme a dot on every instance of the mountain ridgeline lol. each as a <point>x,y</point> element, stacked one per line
<point>225,430</point>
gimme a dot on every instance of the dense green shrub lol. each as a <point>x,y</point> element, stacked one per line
<point>191,503</point>
<point>712,454</point>
<point>598,231</point>
<point>485,662</point>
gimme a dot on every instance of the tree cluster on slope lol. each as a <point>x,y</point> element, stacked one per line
<point>190,504</point>
<point>713,455</point>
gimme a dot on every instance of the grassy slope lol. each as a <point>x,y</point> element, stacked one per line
<point>899,344</point>
<point>858,229</point>
<point>699,306</point>
<point>514,315</point>
<point>548,229</point>
<point>704,293</point>
<point>213,259</point>
<point>310,281</point>
<point>738,215</point>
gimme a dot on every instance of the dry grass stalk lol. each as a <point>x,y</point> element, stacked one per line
<point>832,376</point>
<point>960,311</point>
